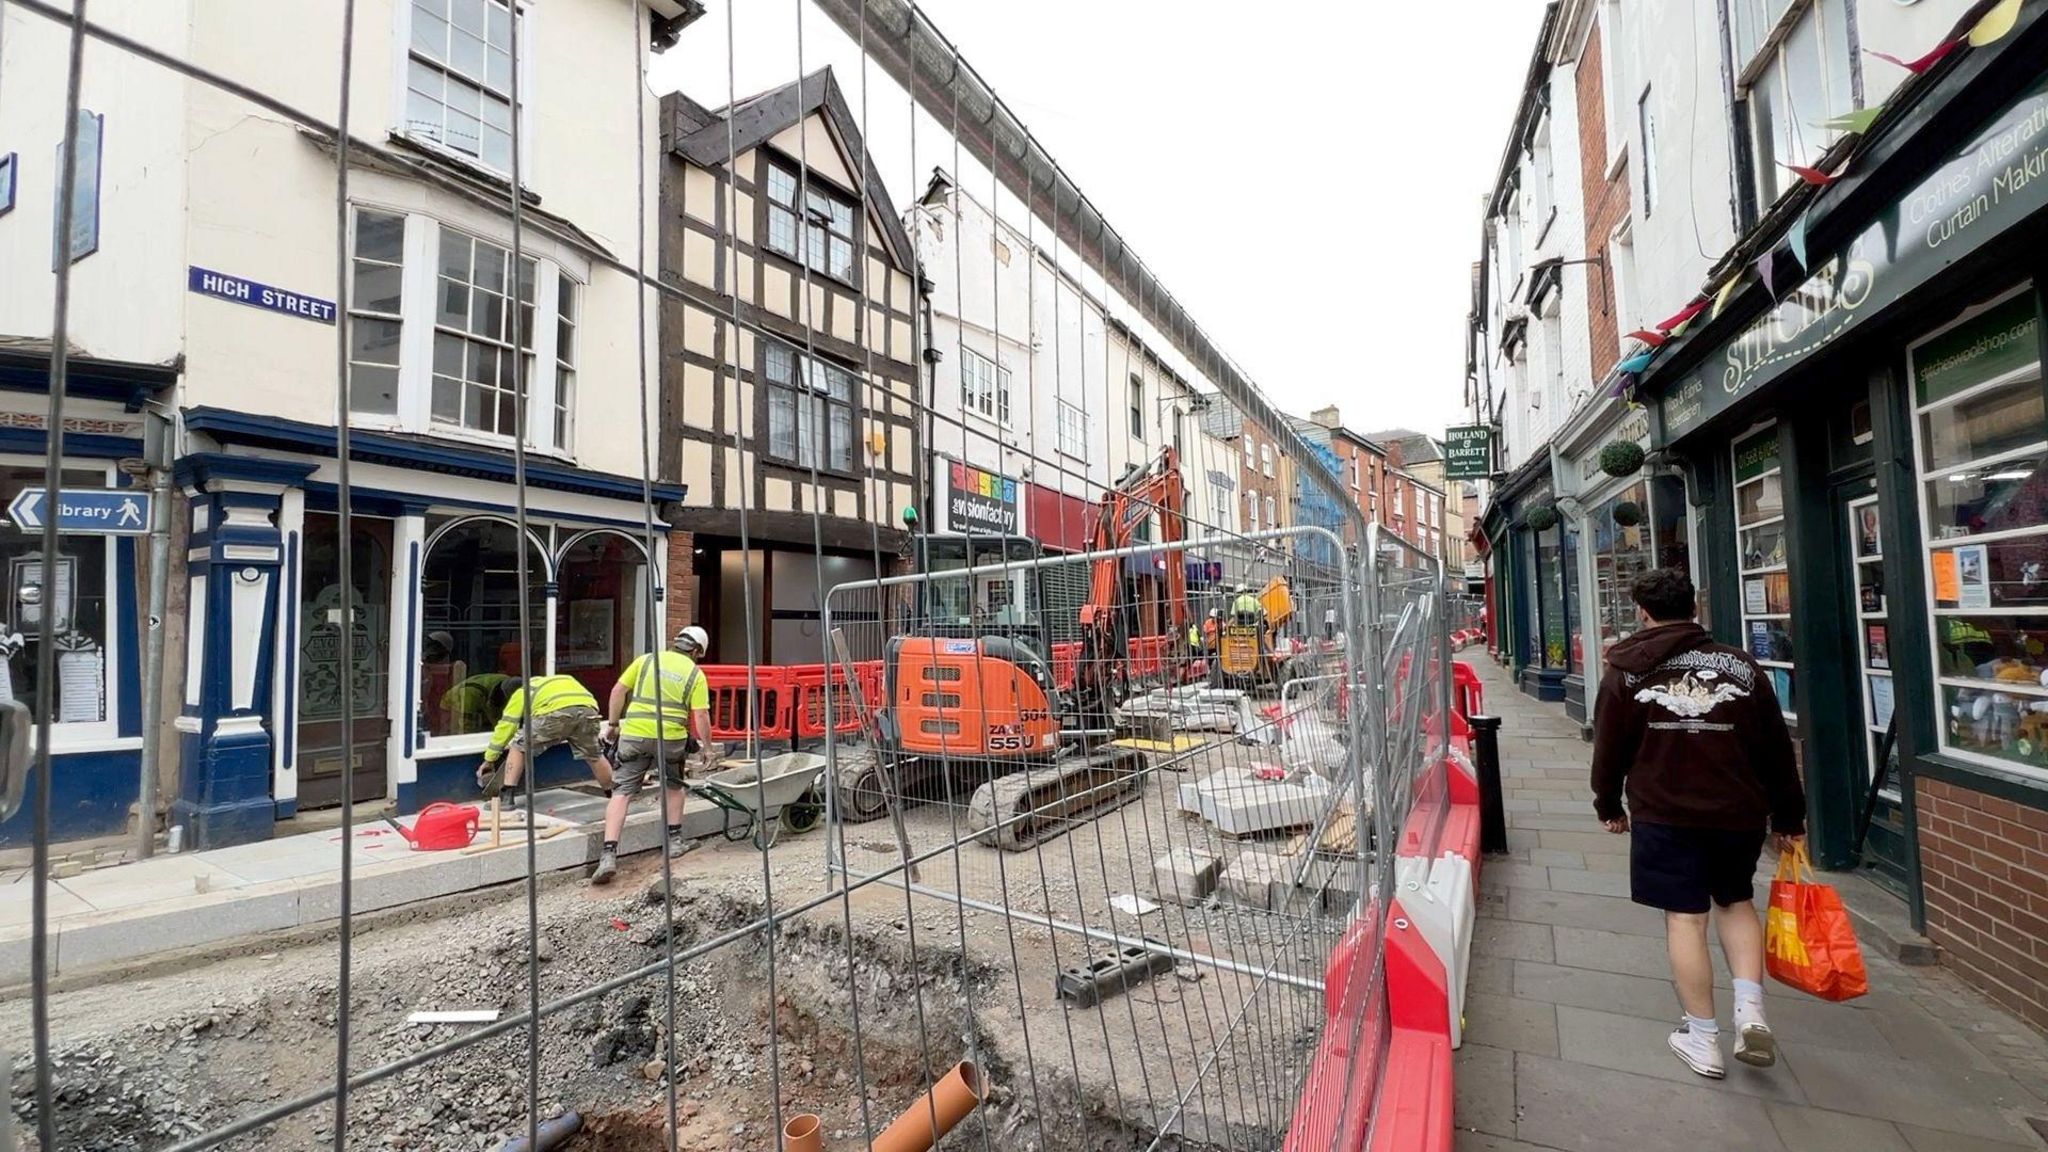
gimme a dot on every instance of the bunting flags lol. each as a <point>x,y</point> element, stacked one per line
<point>1995,24</point>
<point>1677,323</point>
<point>1635,363</point>
<point>1764,264</point>
<point>1726,294</point>
<point>1653,339</point>
<point>1858,121</point>
<point>1812,176</point>
<point>1922,64</point>
<point>1797,238</point>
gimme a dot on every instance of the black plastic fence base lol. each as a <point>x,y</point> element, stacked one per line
<point>1493,813</point>
<point>1090,984</point>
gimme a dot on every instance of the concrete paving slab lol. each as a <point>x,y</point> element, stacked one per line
<point>1927,1140</point>
<point>1579,1109</point>
<point>1540,822</point>
<point>1512,1023</point>
<point>1484,1078</point>
<point>17,902</point>
<point>1494,974</point>
<point>1588,842</point>
<point>1463,1141</point>
<point>1511,941</point>
<point>1552,858</point>
<point>1576,910</point>
<point>1651,999</point>
<point>1962,1101</point>
<point>113,938</point>
<point>1913,1033</point>
<point>1507,874</point>
<point>1590,883</point>
<point>1816,1130</point>
<point>1634,1044</point>
<point>150,881</point>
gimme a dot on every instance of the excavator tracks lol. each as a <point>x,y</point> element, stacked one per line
<point>1019,810</point>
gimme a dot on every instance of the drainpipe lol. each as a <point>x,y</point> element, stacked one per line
<point>157,459</point>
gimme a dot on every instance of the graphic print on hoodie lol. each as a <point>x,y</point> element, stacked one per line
<point>1690,731</point>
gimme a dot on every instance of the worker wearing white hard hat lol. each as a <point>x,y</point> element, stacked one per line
<point>666,707</point>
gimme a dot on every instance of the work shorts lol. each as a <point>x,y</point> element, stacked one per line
<point>575,726</point>
<point>636,763</point>
<point>1680,869</point>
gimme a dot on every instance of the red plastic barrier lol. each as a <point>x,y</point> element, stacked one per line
<point>739,712</point>
<point>808,686</point>
<point>1468,695</point>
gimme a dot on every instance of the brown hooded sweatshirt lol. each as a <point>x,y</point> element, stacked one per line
<point>1692,729</point>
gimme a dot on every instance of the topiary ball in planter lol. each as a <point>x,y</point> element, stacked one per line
<point>1541,517</point>
<point>1628,513</point>
<point>1621,458</point>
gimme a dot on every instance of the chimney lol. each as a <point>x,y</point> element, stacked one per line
<point>1327,417</point>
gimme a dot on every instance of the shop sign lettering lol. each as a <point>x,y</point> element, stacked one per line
<point>1996,180</point>
<point>1468,452</point>
<point>979,501</point>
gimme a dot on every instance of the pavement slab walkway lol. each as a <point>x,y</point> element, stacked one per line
<point>1570,1001</point>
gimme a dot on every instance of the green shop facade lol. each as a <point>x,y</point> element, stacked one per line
<point>1866,460</point>
<point>1533,587</point>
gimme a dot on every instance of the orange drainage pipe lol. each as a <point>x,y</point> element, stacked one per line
<point>803,1133</point>
<point>926,1122</point>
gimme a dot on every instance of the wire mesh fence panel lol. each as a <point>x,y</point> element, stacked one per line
<point>570,580</point>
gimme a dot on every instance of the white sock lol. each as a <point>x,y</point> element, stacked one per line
<point>1749,996</point>
<point>1707,1028</point>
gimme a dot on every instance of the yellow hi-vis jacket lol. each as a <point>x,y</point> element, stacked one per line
<point>548,694</point>
<point>678,687</point>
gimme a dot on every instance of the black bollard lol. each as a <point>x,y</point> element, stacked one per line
<point>1493,813</point>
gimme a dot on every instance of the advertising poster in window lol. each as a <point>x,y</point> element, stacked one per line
<point>1879,646</point>
<point>1880,700</point>
<point>1760,639</point>
<point>1867,543</point>
<point>1946,581</point>
<point>1753,596</point>
<point>1973,577</point>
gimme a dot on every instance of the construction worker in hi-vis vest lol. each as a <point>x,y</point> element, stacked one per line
<point>666,706</point>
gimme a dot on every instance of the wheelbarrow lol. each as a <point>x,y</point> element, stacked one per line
<point>760,798</point>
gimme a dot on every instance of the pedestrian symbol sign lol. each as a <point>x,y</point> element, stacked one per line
<point>105,511</point>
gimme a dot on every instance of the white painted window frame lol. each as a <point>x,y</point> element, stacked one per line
<point>522,113</point>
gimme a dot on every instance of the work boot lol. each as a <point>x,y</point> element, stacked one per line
<point>607,867</point>
<point>680,846</point>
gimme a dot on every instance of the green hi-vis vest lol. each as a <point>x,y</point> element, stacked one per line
<point>678,689</point>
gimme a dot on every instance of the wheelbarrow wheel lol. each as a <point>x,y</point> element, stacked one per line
<point>802,815</point>
<point>765,832</point>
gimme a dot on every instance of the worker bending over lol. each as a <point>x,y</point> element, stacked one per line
<point>667,707</point>
<point>564,712</point>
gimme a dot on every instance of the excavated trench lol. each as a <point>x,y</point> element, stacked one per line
<point>143,1066</point>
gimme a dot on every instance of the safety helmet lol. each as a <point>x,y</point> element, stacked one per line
<point>691,641</point>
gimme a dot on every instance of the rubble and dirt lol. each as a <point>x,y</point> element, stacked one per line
<point>145,1063</point>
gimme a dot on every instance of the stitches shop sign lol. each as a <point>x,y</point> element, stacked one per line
<point>1994,181</point>
<point>979,501</point>
<point>1468,452</point>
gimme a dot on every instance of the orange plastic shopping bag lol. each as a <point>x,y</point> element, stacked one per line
<point>1808,942</point>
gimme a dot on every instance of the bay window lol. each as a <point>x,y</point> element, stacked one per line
<point>1981,450</point>
<point>459,376</point>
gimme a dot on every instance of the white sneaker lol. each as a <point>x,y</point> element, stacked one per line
<point>1754,1044</point>
<point>1701,1052</point>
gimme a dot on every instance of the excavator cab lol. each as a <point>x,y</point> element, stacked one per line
<point>972,679</point>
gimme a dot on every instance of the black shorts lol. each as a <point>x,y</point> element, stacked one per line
<point>1682,869</point>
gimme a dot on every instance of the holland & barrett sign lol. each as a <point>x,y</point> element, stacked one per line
<point>1468,452</point>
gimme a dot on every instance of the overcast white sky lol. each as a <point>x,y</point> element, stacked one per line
<point>1305,176</point>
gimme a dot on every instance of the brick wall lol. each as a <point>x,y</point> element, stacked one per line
<point>680,595</point>
<point>1607,204</point>
<point>1984,864</point>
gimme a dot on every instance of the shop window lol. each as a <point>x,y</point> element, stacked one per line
<point>1622,551</point>
<point>1760,541</point>
<point>470,604</point>
<point>601,609</point>
<point>1982,451</point>
<point>810,410</point>
<point>75,591</point>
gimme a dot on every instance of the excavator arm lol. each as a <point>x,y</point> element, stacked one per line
<point>1105,646</point>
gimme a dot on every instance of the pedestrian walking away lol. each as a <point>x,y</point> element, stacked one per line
<point>1690,732</point>
<point>667,718</point>
<point>564,712</point>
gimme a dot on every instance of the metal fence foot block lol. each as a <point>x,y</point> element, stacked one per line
<point>1089,984</point>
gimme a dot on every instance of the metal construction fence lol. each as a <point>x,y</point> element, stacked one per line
<point>1096,849</point>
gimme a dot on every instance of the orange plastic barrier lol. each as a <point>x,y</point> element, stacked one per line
<point>740,711</point>
<point>808,684</point>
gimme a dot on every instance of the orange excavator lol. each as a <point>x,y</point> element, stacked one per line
<point>971,686</point>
